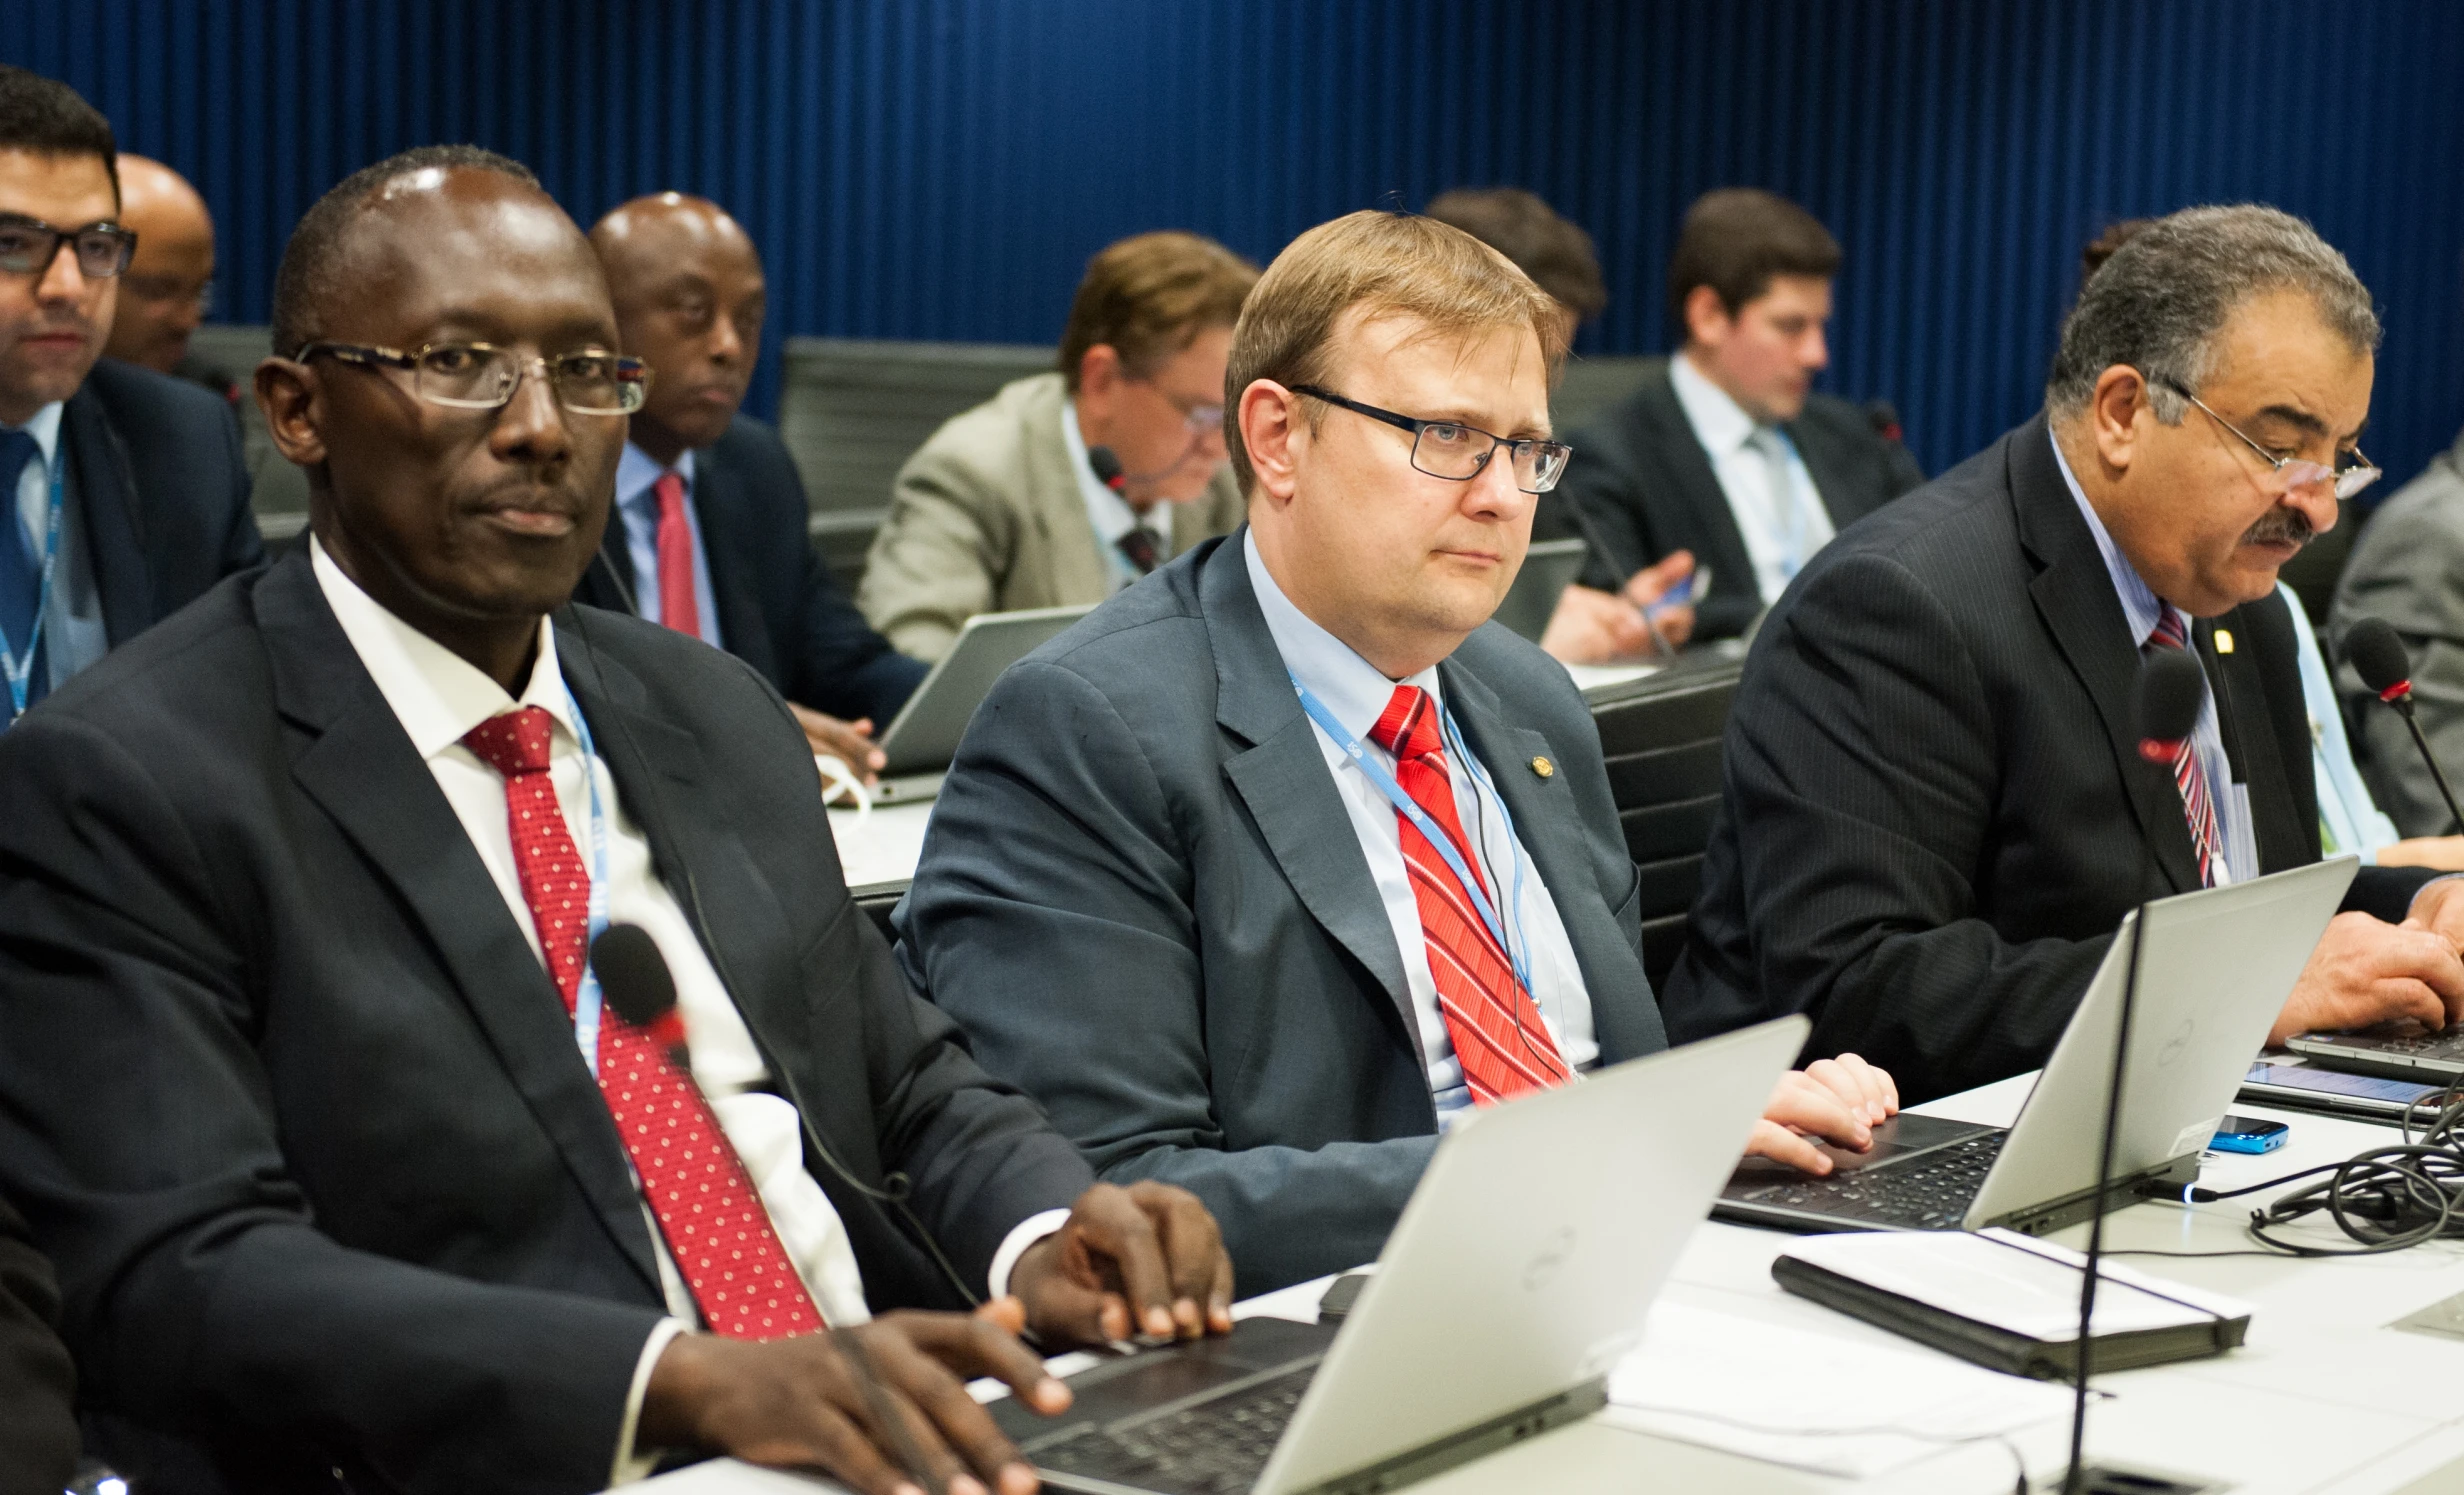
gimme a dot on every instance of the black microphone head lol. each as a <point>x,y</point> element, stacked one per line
<point>1108,469</point>
<point>633,974</point>
<point>2378,656</point>
<point>1884,417</point>
<point>2171,686</point>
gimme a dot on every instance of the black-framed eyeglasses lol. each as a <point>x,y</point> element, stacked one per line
<point>483,376</point>
<point>2352,472</point>
<point>1457,452</point>
<point>29,245</point>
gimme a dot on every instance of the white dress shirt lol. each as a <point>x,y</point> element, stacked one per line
<point>1355,693</point>
<point>1108,513</point>
<point>1756,465</point>
<point>439,697</point>
<point>637,507</point>
<point>2141,608</point>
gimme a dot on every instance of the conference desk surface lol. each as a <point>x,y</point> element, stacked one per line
<point>2324,1398</point>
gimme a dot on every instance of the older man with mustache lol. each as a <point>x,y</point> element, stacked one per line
<point>1933,814</point>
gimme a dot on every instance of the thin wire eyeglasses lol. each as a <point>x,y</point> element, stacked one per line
<point>2348,476</point>
<point>482,376</point>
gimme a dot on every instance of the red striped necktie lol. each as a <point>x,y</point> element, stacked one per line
<point>717,1231</point>
<point>2189,775</point>
<point>1498,1035</point>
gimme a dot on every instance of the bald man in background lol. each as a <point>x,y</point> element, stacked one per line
<point>711,536</point>
<point>168,287</point>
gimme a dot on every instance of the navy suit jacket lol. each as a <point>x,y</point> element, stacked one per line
<point>779,609</point>
<point>1141,896</point>
<point>297,1113</point>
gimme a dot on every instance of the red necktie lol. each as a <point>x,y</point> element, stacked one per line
<point>678,607</point>
<point>717,1231</point>
<point>1498,1035</point>
<point>2189,775</point>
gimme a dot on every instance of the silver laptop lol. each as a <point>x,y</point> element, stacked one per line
<point>923,737</point>
<point>1548,569</point>
<point>2218,965</point>
<point>1515,1281</point>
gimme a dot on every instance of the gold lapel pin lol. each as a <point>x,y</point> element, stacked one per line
<point>2224,640</point>
<point>1544,768</point>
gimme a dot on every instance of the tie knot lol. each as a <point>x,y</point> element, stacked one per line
<point>1408,728</point>
<point>2170,632</point>
<point>668,488</point>
<point>513,743</point>
<point>17,448</point>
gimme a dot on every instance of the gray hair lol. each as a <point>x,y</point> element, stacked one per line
<point>2161,302</point>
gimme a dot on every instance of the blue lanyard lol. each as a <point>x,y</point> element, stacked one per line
<point>1429,829</point>
<point>587,1003</point>
<point>21,671</point>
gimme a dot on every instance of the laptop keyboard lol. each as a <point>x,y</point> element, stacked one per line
<point>1217,1447</point>
<point>2447,1045</point>
<point>1929,1192</point>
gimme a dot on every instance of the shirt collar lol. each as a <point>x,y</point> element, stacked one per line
<point>1719,422</point>
<point>2141,607</point>
<point>436,694</point>
<point>1108,511</point>
<point>636,470</point>
<point>44,427</point>
<point>1350,687</point>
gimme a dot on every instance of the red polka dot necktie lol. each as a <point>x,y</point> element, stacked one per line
<point>2189,774</point>
<point>679,606</point>
<point>707,1208</point>
<point>1504,1047</point>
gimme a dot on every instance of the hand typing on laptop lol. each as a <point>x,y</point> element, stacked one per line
<point>2366,970</point>
<point>1839,1100</point>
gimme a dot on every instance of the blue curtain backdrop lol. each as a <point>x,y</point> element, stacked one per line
<point>943,168</point>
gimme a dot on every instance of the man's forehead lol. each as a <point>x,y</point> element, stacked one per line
<point>1415,357</point>
<point>432,252</point>
<point>68,190</point>
<point>2280,360</point>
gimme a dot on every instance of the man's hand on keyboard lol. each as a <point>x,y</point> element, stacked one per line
<point>1839,1100</point>
<point>1146,1259</point>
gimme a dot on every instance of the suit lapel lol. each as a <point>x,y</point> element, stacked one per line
<point>717,505</point>
<point>2250,736</point>
<point>102,498</point>
<point>1625,1018</point>
<point>1283,781</point>
<point>1696,486</point>
<point>2074,595</point>
<point>361,770</point>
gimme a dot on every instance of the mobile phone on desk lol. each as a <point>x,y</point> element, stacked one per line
<point>2248,1134</point>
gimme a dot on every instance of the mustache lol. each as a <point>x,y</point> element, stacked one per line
<point>2279,527</point>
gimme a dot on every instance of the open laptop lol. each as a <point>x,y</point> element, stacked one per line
<point>2402,1049</point>
<point>2218,965</point>
<point>923,737</point>
<point>1515,1281</point>
<point>1549,567</point>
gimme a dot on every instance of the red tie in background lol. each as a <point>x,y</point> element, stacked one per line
<point>706,1205</point>
<point>1504,1047</point>
<point>2188,775</point>
<point>678,608</point>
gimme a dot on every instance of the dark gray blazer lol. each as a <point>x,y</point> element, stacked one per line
<point>1933,811</point>
<point>1641,486</point>
<point>1142,898</point>
<point>297,1113</point>
<point>2408,568</point>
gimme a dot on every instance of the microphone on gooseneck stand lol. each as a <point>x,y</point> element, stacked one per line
<point>2379,658</point>
<point>1108,468</point>
<point>2171,688</point>
<point>634,979</point>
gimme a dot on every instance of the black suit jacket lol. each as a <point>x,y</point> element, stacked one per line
<point>1933,809</point>
<point>1641,486</point>
<point>158,481</point>
<point>38,1433</point>
<point>1142,897</point>
<point>297,1111</point>
<point>779,609</point>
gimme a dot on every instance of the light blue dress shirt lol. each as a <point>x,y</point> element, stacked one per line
<point>2140,608</point>
<point>73,636</point>
<point>2349,819</point>
<point>638,507</point>
<point>1108,513</point>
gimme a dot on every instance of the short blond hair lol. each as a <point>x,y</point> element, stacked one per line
<point>1397,264</point>
<point>1149,296</point>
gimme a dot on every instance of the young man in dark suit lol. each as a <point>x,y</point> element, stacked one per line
<point>1161,895</point>
<point>711,538</point>
<point>352,1174</point>
<point>123,495</point>
<point>1935,811</point>
<point>1724,452</point>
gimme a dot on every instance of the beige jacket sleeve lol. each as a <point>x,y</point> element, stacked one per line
<point>938,557</point>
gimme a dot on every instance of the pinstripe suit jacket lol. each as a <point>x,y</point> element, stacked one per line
<point>1933,812</point>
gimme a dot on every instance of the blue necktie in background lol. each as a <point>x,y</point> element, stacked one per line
<point>21,554</point>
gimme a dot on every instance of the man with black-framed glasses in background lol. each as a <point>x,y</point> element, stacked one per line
<point>1934,805</point>
<point>1272,866</point>
<point>123,494</point>
<point>1068,486</point>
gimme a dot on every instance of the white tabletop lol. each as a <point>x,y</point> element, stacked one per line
<point>881,844</point>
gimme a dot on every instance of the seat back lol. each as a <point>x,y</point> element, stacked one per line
<point>852,411</point>
<point>1661,738</point>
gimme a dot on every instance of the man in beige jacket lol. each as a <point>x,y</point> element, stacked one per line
<point>1008,505</point>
